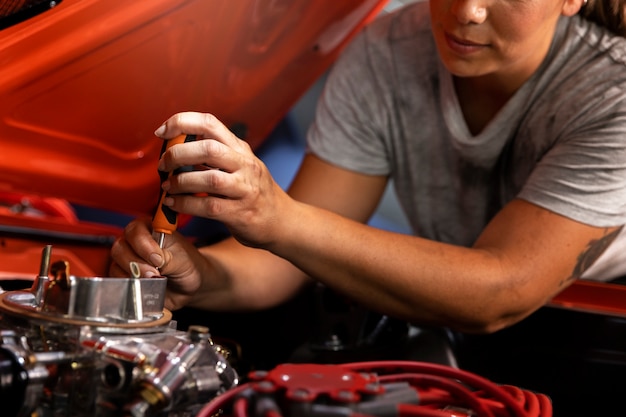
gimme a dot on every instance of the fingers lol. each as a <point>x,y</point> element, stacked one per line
<point>216,146</point>
<point>214,182</point>
<point>207,153</point>
<point>231,170</point>
<point>143,250</point>
<point>204,125</point>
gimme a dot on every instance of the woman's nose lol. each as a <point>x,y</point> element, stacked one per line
<point>469,11</point>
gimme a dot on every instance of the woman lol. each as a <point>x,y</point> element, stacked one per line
<point>503,126</point>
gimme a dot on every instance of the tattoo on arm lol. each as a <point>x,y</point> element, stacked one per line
<point>594,249</point>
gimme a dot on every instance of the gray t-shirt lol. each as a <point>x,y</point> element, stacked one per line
<point>389,108</point>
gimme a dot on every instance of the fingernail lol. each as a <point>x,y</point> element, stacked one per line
<point>156,260</point>
<point>151,274</point>
<point>168,201</point>
<point>160,131</point>
<point>166,186</point>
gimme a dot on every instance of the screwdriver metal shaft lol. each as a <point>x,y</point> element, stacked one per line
<point>165,220</point>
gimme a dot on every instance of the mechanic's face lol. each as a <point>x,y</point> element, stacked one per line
<point>501,37</point>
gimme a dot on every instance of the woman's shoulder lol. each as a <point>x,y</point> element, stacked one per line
<point>596,41</point>
<point>586,61</point>
<point>402,37</point>
<point>407,22</point>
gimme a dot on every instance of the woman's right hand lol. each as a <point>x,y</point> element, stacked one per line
<point>179,260</point>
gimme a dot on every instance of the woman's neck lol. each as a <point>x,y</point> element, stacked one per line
<point>481,98</point>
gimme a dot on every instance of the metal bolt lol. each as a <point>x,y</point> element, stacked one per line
<point>198,333</point>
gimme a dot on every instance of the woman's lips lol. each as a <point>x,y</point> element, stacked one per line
<point>463,46</point>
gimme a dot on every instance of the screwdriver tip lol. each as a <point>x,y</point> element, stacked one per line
<point>159,237</point>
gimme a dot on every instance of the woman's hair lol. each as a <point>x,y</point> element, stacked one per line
<point>608,13</point>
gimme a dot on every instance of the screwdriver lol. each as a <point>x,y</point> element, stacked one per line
<point>165,219</point>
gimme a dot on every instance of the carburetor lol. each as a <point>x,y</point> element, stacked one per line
<point>94,346</point>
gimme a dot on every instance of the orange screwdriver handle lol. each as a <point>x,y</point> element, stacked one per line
<point>165,220</point>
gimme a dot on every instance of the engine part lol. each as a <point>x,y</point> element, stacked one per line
<point>80,346</point>
<point>377,389</point>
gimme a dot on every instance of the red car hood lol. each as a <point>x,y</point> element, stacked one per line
<point>85,84</point>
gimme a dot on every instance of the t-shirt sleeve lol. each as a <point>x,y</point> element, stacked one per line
<point>583,176</point>
<point>347,128</point>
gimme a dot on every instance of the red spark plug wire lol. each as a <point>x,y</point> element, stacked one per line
<point>499,400</point>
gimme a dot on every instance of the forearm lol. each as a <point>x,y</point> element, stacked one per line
<point>237,278</point>
<point>416,279</point>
